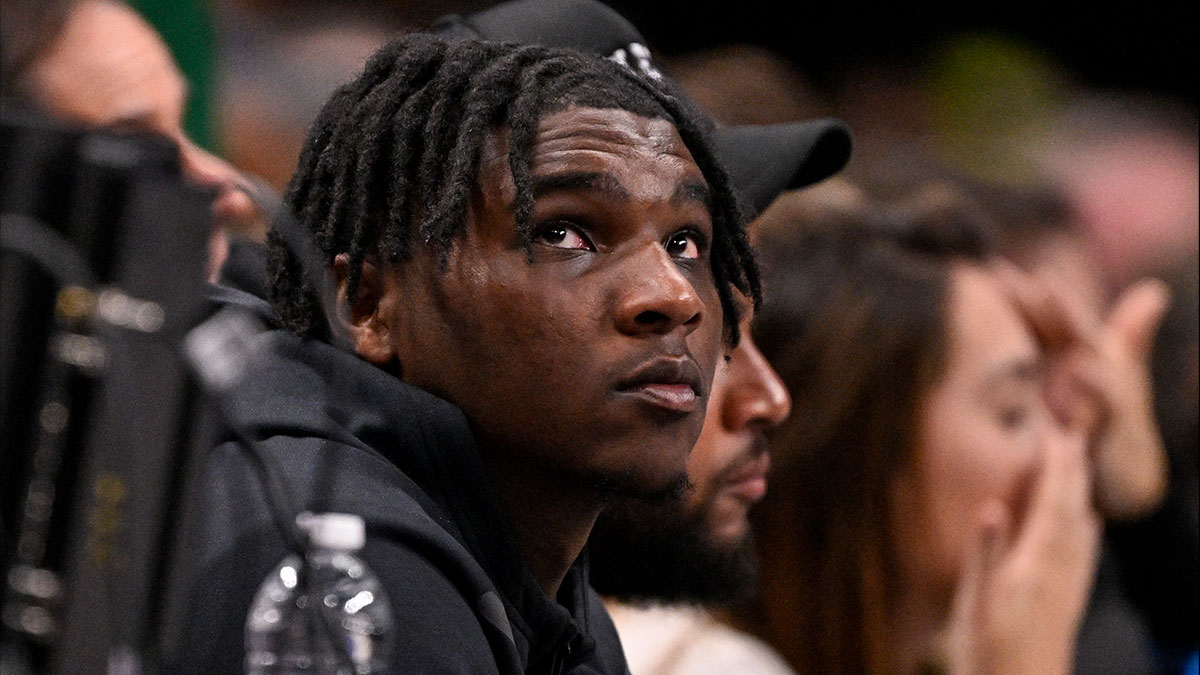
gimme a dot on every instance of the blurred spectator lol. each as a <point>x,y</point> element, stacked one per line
<point>1150,573</point>
<point>901,450</point>
<point>1160,553</point>
<point>277,69</point>
<point>279,61</point>
<point>100,64</point>
<point>717,80</point>
<point>1128,166</point>
<point>667,569</point>
<point>1143,602</point>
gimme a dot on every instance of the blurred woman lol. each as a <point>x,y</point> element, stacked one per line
<point>935,479</point>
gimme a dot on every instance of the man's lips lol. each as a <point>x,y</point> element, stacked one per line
<point>748,482</point>
<point>670,383</point>
<point>749,490</point>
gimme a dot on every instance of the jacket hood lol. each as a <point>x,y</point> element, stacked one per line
<point>415,442</point>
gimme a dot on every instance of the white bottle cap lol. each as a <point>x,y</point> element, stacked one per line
<point>336,531</point>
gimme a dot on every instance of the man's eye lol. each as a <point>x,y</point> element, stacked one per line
<point>684,245</point>
<point>561,235</point>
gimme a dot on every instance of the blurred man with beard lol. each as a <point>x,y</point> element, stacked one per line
<point>700,550</point>
<point>661,565</point>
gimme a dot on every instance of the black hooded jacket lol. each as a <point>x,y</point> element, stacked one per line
<point>344,436</point>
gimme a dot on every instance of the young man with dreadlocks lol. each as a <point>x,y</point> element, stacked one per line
<point>535,266</point>
<point>663,565</point>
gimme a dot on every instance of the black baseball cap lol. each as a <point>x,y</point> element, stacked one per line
<point>763,160</point>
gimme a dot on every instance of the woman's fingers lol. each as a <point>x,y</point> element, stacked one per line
<point>1137,314</point>
<point>1042,309</point>
<point>969,623</point>
<point>1061,499</point>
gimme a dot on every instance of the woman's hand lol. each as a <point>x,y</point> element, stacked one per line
<point>1026,584</point>
<point>1099,378</point>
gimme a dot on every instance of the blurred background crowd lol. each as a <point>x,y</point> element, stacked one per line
<point>1076,131</point>
<point>1099,103</point>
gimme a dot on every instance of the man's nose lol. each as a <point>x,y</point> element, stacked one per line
<point>231,203</point>
<point>656,297</point>
<point>757,395</point>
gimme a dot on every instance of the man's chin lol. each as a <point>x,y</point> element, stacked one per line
<point>635,486</point>
<point>729,531</point>
<point>644,552</point>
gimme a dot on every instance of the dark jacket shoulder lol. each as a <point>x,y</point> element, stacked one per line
<point>340,435</point>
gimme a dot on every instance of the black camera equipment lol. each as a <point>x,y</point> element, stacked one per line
<point>103,251</point>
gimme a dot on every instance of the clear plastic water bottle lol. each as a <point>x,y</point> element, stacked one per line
<point>323,613</point>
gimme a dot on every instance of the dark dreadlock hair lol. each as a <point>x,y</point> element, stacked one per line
<point>393,157</point>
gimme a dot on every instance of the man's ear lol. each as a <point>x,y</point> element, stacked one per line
<point>366,320</point>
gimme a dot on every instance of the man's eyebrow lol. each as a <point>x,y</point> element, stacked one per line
<point>573,181</point>
<point>132,120</point>
<point>692,190</point>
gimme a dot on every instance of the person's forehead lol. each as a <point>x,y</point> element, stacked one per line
<point>608,125</point>
<point>108,65</point>
<point>579,134</point>
<point>986,328</point>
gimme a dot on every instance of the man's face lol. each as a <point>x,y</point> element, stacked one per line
<point>108,68</point>
<point>589,358</point>
<point>728,467</point>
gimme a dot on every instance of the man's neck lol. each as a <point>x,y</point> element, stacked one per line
<point>551,519</point>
